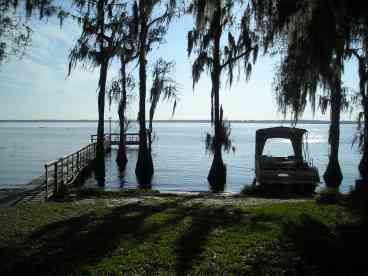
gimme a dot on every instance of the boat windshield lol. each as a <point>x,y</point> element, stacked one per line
<point>278,147</point>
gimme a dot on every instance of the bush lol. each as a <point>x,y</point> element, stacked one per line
<point>251,190</point>
<point>281,191</point>
<point>328,196</point>
<point>358,198</point>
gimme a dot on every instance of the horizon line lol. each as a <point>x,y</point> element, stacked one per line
<point>315,121</point>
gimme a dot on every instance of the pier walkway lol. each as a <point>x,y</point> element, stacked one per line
<point>66,170</point>
<point>62,172</point>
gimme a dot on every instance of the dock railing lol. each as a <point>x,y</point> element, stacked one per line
<point>130,138</point>
<point>65,170</point>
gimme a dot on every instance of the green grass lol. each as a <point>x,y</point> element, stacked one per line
<point>172,235</point>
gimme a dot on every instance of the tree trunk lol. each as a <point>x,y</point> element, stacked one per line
<point>121,158</point>
<point>100,151</point>
<point>217,174</point>
<point>333,175</point>
<point>150,126</point>
<point>150,129</point>
<point>363,165</point>
<point>144,167</point>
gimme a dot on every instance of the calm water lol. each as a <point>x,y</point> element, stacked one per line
<point>180,160</point>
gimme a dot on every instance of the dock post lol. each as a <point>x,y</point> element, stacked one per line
<point>82,158</point>
<point>62,175</point>
<point>46,186</point>
<point>73,169</point>
<point>77,165</point>
<point>67,169</point>
<point>63,179</point>
<point>55,178</point>
<point>87,154</point>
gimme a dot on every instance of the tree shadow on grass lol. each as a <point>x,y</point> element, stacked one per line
<point>339,252</point>
<point>61,248</point>
<point>69,246</point>
<point>192,242</point>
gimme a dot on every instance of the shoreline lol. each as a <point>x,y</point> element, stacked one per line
<point>31,192</point>
<point>11,196</point>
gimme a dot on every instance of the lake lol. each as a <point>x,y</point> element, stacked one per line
<point>180,159</point>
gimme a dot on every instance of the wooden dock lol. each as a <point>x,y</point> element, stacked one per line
<point>65,170</point>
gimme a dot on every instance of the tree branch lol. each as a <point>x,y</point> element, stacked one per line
<point>233,59</point>
<point>157,19</point>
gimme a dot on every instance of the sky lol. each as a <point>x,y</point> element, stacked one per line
<point>36,86</point>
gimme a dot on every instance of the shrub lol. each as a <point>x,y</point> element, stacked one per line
<point>328,196</point>
<point>358,198</point>
<point>251,190</point>
<point>281,191</point>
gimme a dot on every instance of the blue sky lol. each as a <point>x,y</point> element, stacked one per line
<point>37,87</point>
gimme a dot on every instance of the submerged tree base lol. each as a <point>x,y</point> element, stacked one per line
<point>217,175</point>
<point>144,168</point>
<point>121,159</point>
<point>333,175</point>
<point>100,171</point>
<point>99,163</point>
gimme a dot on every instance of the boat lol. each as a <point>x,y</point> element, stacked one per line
<point>291,173</point>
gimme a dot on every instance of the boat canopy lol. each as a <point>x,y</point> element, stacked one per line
<point>295,135</point>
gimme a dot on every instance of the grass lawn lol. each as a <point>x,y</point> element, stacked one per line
<point>130,234</point>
